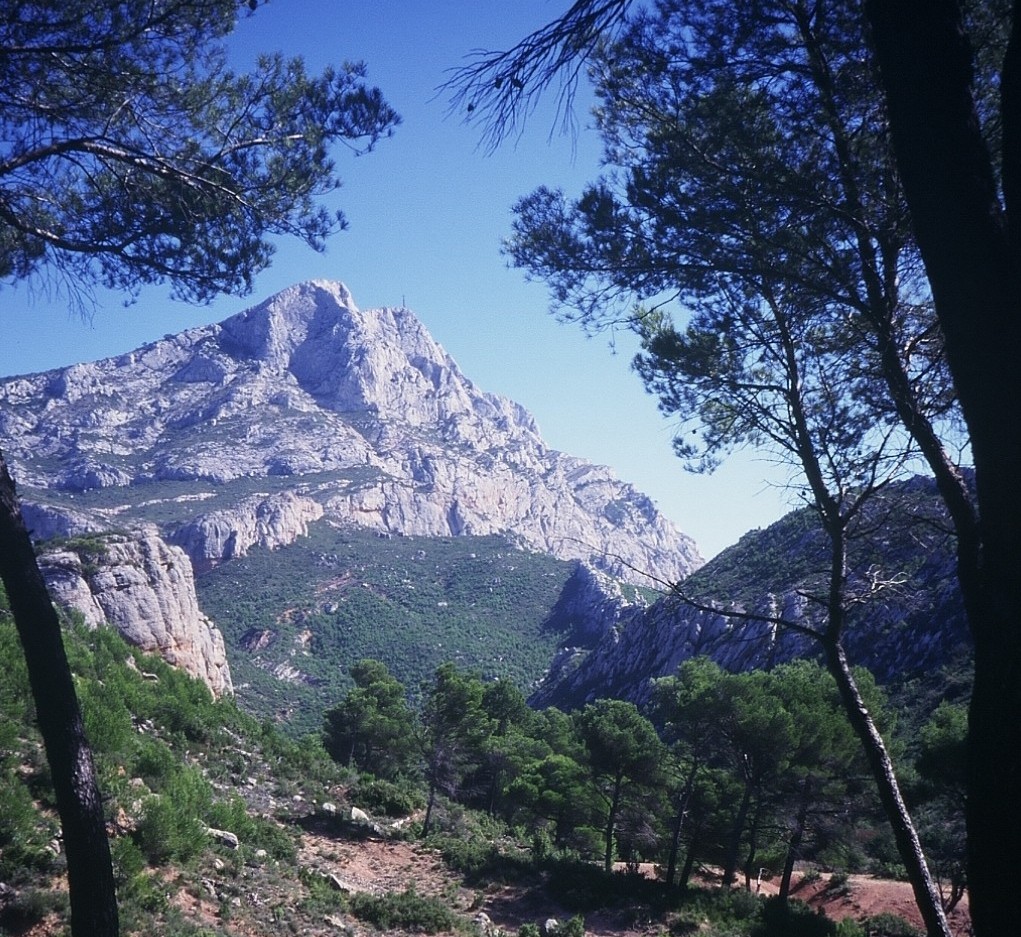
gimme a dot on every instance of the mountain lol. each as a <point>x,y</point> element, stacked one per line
<point>306,407</point>
<point>906,621</point>
<point>306,410</point>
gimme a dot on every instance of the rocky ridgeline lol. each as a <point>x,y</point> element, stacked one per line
<point>359,415</point>
<point>914,626</point>
<point>300,409</point>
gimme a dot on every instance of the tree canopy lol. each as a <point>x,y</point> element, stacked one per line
<point>133,154</point>
<point>753,178</point>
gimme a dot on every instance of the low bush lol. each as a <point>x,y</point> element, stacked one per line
<point>24,834</point>
<point>405,911</point>
<point>389,798</point>
<point>716,912</point>
<point>889,925</point>
<point>171,826</point>
<point>792,919</point>
<point>479,848</point>
<point>585,886</point>
<point>30,907</point>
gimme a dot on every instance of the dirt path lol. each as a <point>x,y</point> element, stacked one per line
<point>377,866</point>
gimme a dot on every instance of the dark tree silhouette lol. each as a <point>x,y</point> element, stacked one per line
<point>968,226</point>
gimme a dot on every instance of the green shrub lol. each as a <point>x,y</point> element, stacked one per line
<point>24,833</point>
<point>574,927</point>
<point>31,906</point>
<point>478,846</point>
<point>792,919</point>
<point>406,910</point>
<point>154,763</point>
<point>171,825</point>
<point>254,832</point>
<point>128,860</point>
<point>166,832</point>
<point>839,885</point>
<point>889,925</point>
<point>322,897</point>
<point>389,798</point>
<point>107,719</point>
<point>140,894</point>
<point>728,911</point>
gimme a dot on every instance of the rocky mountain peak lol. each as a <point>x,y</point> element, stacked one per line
<point>306,407</point>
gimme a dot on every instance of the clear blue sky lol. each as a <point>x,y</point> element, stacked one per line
<point>427,211</point>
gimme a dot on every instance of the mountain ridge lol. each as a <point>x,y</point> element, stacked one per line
<point>301,410</point>
<point>905,616</point>
<point>363,412</point>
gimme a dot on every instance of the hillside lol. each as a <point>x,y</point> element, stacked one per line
<point>906,621</point>
<point>221,827</point>
<point>297,617</point>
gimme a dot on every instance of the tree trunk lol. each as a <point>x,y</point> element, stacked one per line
<point>611,823</point>
<point>908,847</point>
<point>675,836</point>
<point>753,846</point>
<point>971,248</point>
<point>427,822</point>
<point>794,846</point>
<point>675,845</point>
<point>89,870</point>
<point>689,864</point>
<point>730,866</point>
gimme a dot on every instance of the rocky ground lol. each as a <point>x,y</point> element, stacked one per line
<point>377,865</point>
<point>258,900</point>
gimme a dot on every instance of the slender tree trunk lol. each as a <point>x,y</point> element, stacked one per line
<point>675,834</point>
<point>427,822</point>
<point>971,247</point>
<point>675,845</point>
<point>611,823</point>
<point>89,870</point>
<point>730,867</point>
<point>689,863</point>
<point>753,846</point>
<point>908,846</point>
<point>794,846</point>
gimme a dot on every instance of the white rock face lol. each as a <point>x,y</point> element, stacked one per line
<point>306,407</point>
<point>272,521</point>
<point>145,589</point>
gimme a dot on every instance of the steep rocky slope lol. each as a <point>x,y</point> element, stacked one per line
<point>906,618</point>
<point>306,407</point>
<point>144,588</point>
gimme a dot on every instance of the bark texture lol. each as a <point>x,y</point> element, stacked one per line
<point>89,870</point>
<point>969,242</point>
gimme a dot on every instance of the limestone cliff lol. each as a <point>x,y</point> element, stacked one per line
<point>144,588</point>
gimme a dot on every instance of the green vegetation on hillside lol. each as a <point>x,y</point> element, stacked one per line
<point>173,763</point>
<point>532,798</point>
<point>909,540</point>
<point>310,610</point>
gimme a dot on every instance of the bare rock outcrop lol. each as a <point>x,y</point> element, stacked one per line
<point>145,589</point>
<point>270,521</point>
